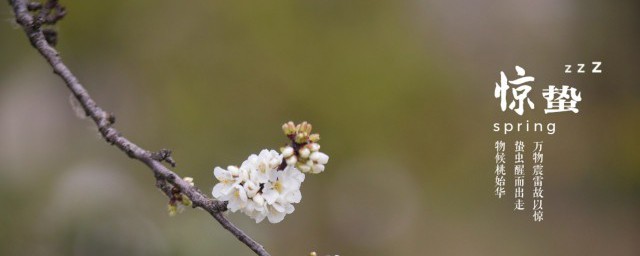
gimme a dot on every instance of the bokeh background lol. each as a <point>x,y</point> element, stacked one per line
<point>401,92</point>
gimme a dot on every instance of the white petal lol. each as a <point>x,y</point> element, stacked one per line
<point>260,217</point>
<point>252,160</point>
<point>242,194</point>
<point>249,208</point>
<point>258,199</point>
<point>235,204</point>
<point>233,170</point>
<point>295,174</point>
<point>289,208</point>
<point>264,154</point>
<point>260,177</point>
<point>294,196</point>
<point>221,174</point>
<point>270,195</point>
<point>251,187</point>
<point>217,190</point>
<point>274,163</point>
<point>275,216</point>
<point>244,174</point>
<point>278,207</point>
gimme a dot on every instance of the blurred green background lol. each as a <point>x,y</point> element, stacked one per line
<point>400,91</point>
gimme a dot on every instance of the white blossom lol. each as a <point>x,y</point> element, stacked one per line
<point>284,185</point>
<point>267,185</point>
<point>237,199</point>
<point>227,180</point>
<point>258,189</point>
<point>260,166</point>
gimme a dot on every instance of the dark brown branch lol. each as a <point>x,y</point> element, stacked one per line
<point>49,13</point>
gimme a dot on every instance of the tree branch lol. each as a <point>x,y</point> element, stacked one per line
<point>166,180</point>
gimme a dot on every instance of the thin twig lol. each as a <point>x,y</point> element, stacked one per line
<point>165,178</point>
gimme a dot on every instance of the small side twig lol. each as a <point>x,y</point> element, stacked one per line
<point>167,181</point>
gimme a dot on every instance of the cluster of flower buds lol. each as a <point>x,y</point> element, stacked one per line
<point>304,150</point>
<point>268,184</point>
<point>178,201</point>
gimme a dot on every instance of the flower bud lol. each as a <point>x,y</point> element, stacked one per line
<point>189,180</point>
<point>319,157</point>
<point>186,201</point>
<point>317,168</point>
<point>292,160</point>
<point>173,209</point>
<point>301,138</point>
<point>287,152</point>
<point>304,168</point>
<point>314,137</point>
<point>289,128</point>
<point>304,127</point>
<point>314,147</point>
<point>304,152</point>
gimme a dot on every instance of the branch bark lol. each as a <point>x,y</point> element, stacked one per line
<point>165,178</point>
